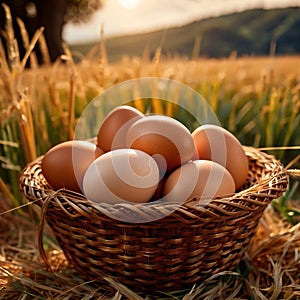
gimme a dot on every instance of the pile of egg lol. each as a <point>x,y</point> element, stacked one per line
<point>140,158</point>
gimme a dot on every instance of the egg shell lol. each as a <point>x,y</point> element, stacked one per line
<point>65,164</point>
<point>215,143</point>
<point>162,137</point>
<point>202,179</point>
<point>111,134</point>
<point>121,175</point>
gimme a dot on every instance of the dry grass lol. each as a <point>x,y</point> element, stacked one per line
<point>270,269</point>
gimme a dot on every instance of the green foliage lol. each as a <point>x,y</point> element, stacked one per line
<point>269,118</point>
<point>282,205</point>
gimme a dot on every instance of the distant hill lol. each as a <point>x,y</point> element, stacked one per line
<point>247,33</point>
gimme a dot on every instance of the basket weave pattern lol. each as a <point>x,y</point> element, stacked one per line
<point>175,251</point>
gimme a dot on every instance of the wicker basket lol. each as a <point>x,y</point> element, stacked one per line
<point>173,252</point>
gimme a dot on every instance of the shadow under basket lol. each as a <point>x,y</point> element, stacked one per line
<point>185,243</point>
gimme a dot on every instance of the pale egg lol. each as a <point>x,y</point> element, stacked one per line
<point>121,175</point>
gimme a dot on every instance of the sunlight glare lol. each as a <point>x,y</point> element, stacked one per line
<point>129,4</point>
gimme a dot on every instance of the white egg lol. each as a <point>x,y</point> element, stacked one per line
<point>121,175</point>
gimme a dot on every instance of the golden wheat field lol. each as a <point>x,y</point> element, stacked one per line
<point>256,98</point>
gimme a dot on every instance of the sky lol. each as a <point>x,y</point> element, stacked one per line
<point>119,17</point>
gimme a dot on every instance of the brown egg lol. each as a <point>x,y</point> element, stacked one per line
<point>218,144</point>
<point>111,134</point>
<point>164,138</point>
<point>64,165</point>
<point>203,179</point>
<point>121,175</point>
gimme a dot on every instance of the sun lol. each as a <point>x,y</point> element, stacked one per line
<point>129,4</point>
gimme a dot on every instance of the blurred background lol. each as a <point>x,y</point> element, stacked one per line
<point>214,28</point>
